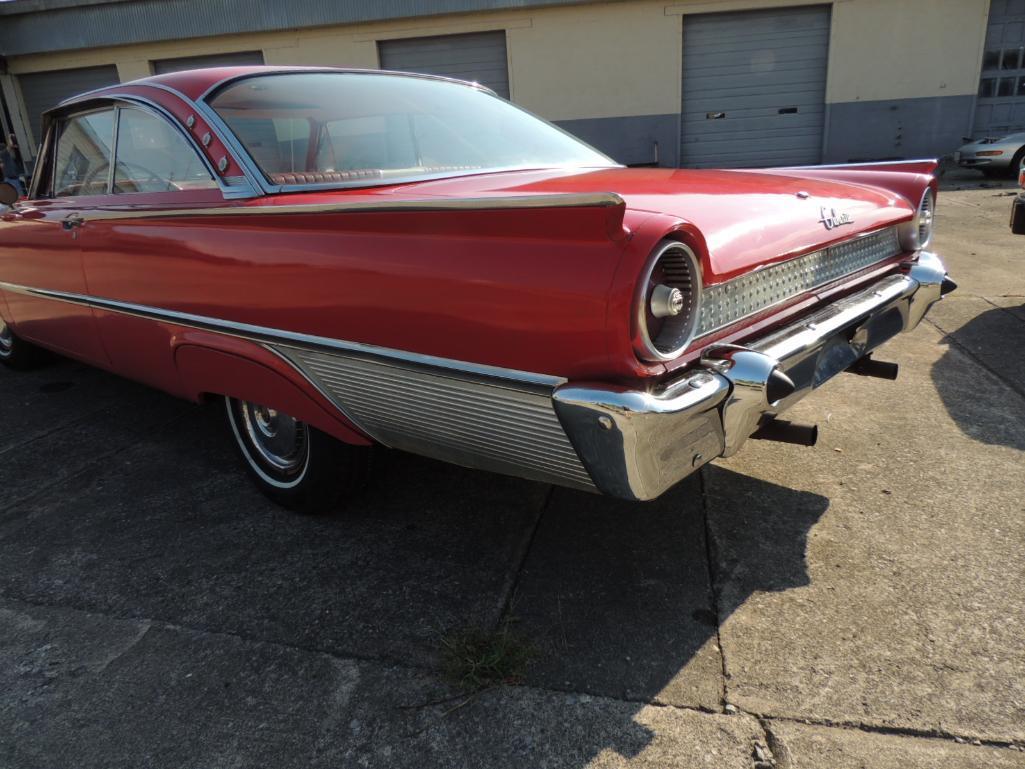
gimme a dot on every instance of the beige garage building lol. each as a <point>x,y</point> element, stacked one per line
<point>693,82</point>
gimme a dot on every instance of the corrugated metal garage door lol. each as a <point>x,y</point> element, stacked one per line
<point>43,90</point>
<point>1000,108</point>
<point>239,59</point>
<point>754,87</point>
<point>479,57</point>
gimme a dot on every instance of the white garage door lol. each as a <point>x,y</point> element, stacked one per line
<point>1000,108</point>
<point>43,90</point>
<point>479,57</point>
<point>754,87</point>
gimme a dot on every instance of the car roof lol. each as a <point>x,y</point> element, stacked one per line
<point>195,83</point>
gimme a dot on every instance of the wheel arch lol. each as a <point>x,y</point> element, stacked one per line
<point>213,365</point>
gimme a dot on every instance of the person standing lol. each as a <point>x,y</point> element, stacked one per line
<point>10,159</point>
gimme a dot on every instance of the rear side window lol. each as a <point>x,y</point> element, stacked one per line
<point>82,163</point>
<point>153,157</point>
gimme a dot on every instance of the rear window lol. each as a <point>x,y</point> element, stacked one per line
<point>338,128</point>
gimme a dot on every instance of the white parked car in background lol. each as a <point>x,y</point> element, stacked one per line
<point>994,157</point>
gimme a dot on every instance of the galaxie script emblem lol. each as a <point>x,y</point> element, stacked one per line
<point>830,218</point>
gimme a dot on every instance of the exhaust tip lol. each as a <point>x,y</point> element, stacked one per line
<point>880,369</point>
<point>782,431</point>
<point>947,286</point>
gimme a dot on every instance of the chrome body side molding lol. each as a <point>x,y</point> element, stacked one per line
<point>268,335</point>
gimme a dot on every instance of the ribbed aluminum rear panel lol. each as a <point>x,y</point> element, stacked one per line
<point>471,421</point>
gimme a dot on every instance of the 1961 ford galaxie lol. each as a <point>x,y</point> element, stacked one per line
<point>350,258</point>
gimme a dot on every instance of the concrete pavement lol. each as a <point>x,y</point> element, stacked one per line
<point>860,604</point>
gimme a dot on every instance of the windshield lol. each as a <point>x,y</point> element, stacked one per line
<point>352,128</point>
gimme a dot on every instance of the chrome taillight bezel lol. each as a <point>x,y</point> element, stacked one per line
<point>681,332</point>
<point>925,216</point>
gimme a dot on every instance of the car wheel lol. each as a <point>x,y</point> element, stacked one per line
<point>1012,172</point>
<point>15,352</point>
<point>294,464</point>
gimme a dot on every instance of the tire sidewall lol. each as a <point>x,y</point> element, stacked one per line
<point>20,354</point>
<point>262,475</point>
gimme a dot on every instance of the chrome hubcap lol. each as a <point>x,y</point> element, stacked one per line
<point>278,439</point>
<point>6,340</point>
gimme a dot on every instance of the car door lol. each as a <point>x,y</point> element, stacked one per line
<point>141,263</point>
<point>40,254</point>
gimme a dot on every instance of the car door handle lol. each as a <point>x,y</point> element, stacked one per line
<point>71,221</point>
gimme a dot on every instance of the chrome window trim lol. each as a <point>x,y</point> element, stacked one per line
<point>145,105</point>
<point>264,334</point>
<point>759,311</point>
<point>413,179</point>
<point>113,149</point>
<point>115,100</point>
<point>57,130</point>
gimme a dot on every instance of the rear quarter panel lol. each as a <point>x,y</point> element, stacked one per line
<point>520,289</point>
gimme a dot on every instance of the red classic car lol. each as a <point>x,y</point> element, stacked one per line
<point>350,258</point>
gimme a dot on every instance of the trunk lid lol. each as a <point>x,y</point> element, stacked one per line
<point>748,219</point>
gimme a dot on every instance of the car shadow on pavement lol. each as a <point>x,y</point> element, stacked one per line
<point>979,404</point>
<point>618,600</point>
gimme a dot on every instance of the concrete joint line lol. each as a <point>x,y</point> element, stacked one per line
<point>507,597</point>
<point>949,338</point>
<point>893,731</point>
<point>713,597</point>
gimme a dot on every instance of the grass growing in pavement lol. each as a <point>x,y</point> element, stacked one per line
<point>478,658</point>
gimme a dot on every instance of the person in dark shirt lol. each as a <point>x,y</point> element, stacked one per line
<point>10,158</point>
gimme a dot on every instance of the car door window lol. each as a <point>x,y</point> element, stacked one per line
<point>152,156</point>
<point>82,165</point>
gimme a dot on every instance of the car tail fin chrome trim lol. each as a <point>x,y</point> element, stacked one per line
<point>558,200</point>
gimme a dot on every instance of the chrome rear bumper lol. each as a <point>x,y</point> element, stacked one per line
<point>637,444</point>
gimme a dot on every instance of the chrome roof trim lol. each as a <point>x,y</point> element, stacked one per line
<point>336,70</point>
<point>264,335</point>
<point>558,200</point>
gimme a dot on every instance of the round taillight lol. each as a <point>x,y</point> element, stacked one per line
<point>667,302</point>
